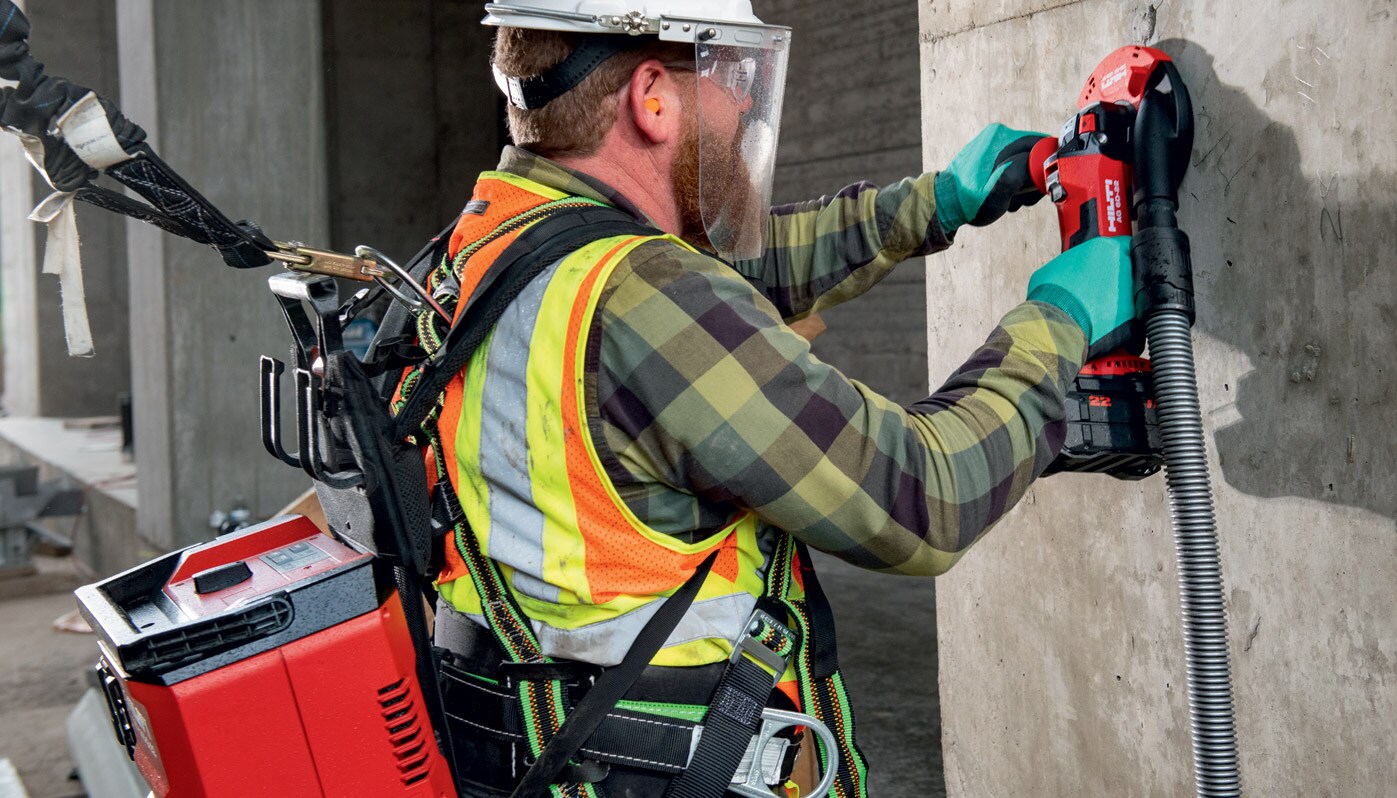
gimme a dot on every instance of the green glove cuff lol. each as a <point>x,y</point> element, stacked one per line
<point>1063,300</point>
<point>948,210</point>
<point>963,186</point>
<point>1091,282</point>
<point>951,196</point>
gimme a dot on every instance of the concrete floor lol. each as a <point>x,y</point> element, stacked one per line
<point>42,675</point>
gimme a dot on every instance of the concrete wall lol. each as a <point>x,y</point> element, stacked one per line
<point>75,39</point>
<point>1061,654</point>
<point>231,94</point>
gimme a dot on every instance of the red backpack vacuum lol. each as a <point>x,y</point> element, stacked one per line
<point>269,662</point>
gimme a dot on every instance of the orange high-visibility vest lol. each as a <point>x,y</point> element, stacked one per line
<point>519,451</point>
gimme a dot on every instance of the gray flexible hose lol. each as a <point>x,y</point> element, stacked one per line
<point>1196,543</point>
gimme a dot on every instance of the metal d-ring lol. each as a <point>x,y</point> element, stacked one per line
<point>422,300</point>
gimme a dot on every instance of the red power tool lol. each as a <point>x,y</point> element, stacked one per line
<point>1088,173</point>
<point>1134,131</point>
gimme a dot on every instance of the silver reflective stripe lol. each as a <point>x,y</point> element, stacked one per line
<point>516,525</point>
<point>605,643</point>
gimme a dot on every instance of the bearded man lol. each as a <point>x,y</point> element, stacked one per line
<point>643,428</point>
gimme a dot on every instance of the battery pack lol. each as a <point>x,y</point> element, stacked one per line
<point>1111,421</point>
<point>269,662</point>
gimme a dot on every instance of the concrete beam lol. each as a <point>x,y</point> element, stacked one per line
<point>1062,659</point>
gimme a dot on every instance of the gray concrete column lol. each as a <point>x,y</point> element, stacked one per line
<point>851,114</point>
<point>75,39</point>
<point>19,283</point>
<point>1062,664</point>
<point>231,94</point>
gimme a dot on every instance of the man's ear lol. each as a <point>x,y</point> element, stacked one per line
<point>653,99</point>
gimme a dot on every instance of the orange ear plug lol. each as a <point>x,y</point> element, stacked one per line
<point>653,105</point>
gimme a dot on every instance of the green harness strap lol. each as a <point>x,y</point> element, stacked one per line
<point>543,703</point>
<point>821,684</point>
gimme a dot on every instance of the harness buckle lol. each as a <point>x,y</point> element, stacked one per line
<point>764,760</point>
<point>767,641</point>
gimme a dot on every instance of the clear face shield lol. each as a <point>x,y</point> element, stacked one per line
<point>741,82</point>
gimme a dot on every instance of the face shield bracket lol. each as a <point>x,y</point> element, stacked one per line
<point>729,34</point>
<point>636,23</point>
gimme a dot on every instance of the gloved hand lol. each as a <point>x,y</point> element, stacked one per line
<point>1093,283</point>
<point>986,179</point>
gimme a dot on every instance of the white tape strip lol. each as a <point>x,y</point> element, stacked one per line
<point>6,83</point>
<point>61,257</point>
<point>33,152</point>
<point>85,128</point>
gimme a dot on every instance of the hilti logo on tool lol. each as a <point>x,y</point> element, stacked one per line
<point>1116,75</point>
<point>1114,214</point>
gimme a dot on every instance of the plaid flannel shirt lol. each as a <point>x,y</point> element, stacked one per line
<point>702,400</point>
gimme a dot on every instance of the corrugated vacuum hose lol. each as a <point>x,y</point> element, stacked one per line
<point>1196,544</point>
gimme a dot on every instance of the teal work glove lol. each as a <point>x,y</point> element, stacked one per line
<point>1093,283</point>
<point>986,179</point>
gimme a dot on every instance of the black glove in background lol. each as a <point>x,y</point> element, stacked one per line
<point>33,107</point>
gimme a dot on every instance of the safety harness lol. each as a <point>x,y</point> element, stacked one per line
<point>567,721</point>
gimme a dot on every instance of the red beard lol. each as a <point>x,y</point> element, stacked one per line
<point>722,183</point>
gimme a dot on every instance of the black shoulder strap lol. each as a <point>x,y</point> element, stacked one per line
<point>540,245</point>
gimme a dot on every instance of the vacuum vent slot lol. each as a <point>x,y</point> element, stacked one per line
<point>166,651</point>
<point>403,723</point>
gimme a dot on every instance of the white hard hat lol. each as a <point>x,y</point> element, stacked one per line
<point>665,19</point>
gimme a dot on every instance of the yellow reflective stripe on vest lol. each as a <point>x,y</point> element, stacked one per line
<point>582,566</point>
<point>525,184</point>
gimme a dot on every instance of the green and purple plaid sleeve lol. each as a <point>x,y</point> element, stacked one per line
<point>826,251</point>
<point>706,400</point>
<point>701,399</point>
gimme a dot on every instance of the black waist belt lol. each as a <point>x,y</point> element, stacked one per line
<point>484,713</point>
<point>478,691</point>
<point>634,739</point>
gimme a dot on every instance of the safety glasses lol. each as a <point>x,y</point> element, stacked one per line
<point>735,77</point>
